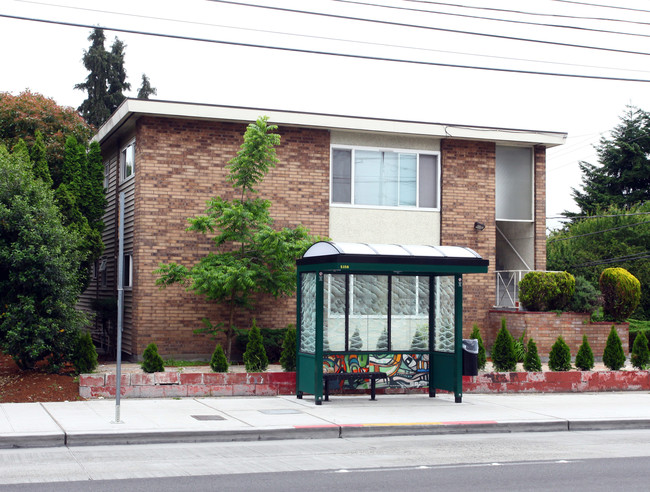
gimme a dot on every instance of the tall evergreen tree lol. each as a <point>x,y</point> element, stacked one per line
<point>117,83</point>
<point>38,157</point>
<point>623,179</point>
<point>145,89</point>
<point>96,107</point>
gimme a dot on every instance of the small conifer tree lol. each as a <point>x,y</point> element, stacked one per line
<point>382,342</point>
<point>255,358</point>
<point>288,357</point>
<point>84,356</point>
<point>218,362</point>
<point>503,351</point>
<point>151,360</point>
<point>640,353</point>
<point>531,360</point>
<point>355,340</point>
<point>560,357</point>
<point>585,356</point>
<point>613,356</point>
<point>476,335</point>
<point>419,341</point>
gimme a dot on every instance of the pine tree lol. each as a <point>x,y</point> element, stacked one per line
<point>640,354</point>
<point>585,356</point>
<point>288,357</point>
<point>96,108</point>
<point>419,342</point>
<point>613,356</point>
<point>84,355</point>
<point>559,359</point>
<point>93,202</point>
<point>38,157</point>
<point>382,342</point>
<point>117,83</point>
<point>482,358</point>
<point>255,358</point>
<point>503,351</point>
<point>151,360</point>
<point>355,341</point>
<point>218,362</point>
<point>145,89</point>
<point>531,360</point>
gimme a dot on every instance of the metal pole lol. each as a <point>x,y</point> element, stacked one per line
<point>120,308</point>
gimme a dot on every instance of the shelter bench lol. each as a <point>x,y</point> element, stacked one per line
<point>352,376</point>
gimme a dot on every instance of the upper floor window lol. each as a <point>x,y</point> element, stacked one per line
<point>383,178</point>
<point>127,160</point>
<point>514,183</point>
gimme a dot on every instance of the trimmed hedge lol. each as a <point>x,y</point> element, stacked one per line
<point>546,291</point>
<point>621,292</point>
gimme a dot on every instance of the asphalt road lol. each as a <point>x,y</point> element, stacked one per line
<point>604,460</point>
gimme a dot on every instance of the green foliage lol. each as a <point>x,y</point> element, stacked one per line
<point>84,355</point>
<point>255,358</point>
<point>613,356</point>
<point>218,362</point>
<point>117,83</point>
<point>585,297</point>
<point>288,357</point>
<point>39,264</point>
<point>560,357</point>
<point>482,358</point>
<point>420,340</point>
<point>520,347</point>
<point>585,356</point>
<point>503,351</point>
<point>38,156</point>
<point>640,353</point>
<point>151,360</point>
<point>546,291</point>
<point>272,338</point>
<point>356,343</point>
<point>251,257</point>
<point>621,293</point>
<point>145,89</point>
<point>531,360</point>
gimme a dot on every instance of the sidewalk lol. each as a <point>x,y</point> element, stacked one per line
<point>146,421</point>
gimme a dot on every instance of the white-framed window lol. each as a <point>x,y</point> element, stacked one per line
<point>103,263</point>
<point>371,177</point>
<point>127,277</point>
<point>107,173</point>
<point>127,160</point>
<point>514,183</point>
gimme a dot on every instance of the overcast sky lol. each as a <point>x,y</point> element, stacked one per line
<point>46,58</point>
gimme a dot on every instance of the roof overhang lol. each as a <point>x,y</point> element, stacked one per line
<point>131,109</point>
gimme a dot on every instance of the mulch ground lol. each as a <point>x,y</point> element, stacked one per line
<point>18,386</point>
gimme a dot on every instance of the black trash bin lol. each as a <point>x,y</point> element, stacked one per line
<point>470,357</point>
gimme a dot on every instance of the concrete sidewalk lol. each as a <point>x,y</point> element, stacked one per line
<point>285,417</point>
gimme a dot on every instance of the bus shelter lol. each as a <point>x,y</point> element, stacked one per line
<point>386,308</point>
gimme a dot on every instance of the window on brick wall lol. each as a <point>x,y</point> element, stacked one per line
<point>127,277</point>
<point>514,183</point>
<point>369,177</point>
<point>127,160</point>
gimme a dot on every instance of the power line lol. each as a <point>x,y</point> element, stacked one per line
<point>597,216</point>
<point>325,53</point>
<point>618,259</point>
<point>495,19</point>
<point>599,232</point>
<point>431,28</point>
<point>603,6</point>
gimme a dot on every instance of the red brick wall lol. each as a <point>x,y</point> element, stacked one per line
<point>181,164</point>
<point>544,328</point>
<point>540,208</point>
<point>468,183</point>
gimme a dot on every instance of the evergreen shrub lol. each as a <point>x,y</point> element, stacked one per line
<point>585,356</point>
<point>419,341</point>
<point>288,357</point>
<point>218,362</point>
<point>531,360</point>
<point>476,335</point>
<point>614,356</point>
<point>585,297</point>
<point>355,341</point>
<point>84,354</point>
<point>520,347</point>
<point>559,358</point>
<point>621,292</point>
<point>546,291</point>
<point>640,354</point>
<point>255,358</point>
<point>151,360</point>
<point>503,351</point>
<point>272,338</point>
<point>382,342</point>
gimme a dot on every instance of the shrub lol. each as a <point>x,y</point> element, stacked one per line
<point>560,357</point>
<point>621,292</point>
<point>382,342</point>
<point>151,360</point>
<point>520,347</point>
<point>255,358</point>
<point>218,362</point>
<point>288,357</point>
<point>546,291</point>
<point>640,353</point>
<point>419,341</point>
<point>613,356</point>
<point>503,351</point>
<point>585,356</point>
<point>84,354</point>
<point>476,335</point>
<point>355,341</point>
<point>272,339</point>
<point>531,360</point>
<point>585,297</point>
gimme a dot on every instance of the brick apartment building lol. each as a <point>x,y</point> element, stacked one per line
<point>352,179</point>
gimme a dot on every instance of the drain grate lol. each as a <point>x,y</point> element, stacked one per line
<point>280,411</point>
<point>208,417</point>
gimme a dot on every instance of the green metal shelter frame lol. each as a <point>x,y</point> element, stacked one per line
<point>392,294</point>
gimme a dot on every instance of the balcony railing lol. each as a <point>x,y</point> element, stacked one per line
<point>508,287</point>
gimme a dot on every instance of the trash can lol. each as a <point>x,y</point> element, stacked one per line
<point>470,357</point>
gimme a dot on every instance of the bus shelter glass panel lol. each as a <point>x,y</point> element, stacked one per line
<point>444,314</point>
<point>368,311</point>
<point>308,313</point>
<point>409,313</point>
<point>334,313</point>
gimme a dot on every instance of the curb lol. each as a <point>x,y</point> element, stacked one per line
<point>32,440</point>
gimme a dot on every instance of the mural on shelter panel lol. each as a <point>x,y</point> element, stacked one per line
<point>404,370</point>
